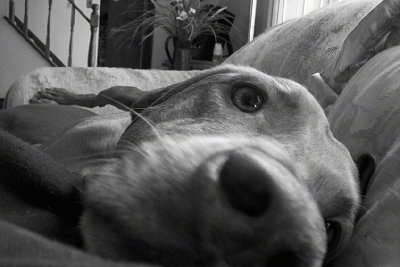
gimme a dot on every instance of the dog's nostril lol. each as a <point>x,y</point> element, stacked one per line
<point>285,258</point>
<point>243,181</point>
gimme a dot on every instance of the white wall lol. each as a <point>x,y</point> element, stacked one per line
<point>17,57</point>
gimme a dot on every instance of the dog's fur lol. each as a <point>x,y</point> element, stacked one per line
<point>196,180</point>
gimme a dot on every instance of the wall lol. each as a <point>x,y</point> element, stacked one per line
<point>17,57</point>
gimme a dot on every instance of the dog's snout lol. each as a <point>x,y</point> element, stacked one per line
<point>262,199</point>
<point>219,202</point>
<point>250,189</point>
<point>243,182</point>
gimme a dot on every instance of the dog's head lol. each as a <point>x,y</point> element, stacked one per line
<point>231,167</point>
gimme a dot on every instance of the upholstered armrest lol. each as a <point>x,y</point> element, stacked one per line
<point>89,80</point>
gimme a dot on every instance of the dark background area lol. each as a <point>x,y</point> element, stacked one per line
<point>132,54</point>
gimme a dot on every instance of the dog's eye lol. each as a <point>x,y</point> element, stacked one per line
<point>333,231</point>
<point>248,99</point>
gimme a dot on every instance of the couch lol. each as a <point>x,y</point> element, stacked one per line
<point>365,115</point>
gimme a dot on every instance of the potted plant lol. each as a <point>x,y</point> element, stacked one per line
<point>183,20</point>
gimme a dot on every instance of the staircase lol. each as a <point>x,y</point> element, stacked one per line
<point>22,26</point>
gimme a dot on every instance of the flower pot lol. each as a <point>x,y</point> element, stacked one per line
<point>181,56</point>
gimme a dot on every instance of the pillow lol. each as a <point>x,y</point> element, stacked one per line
<point>366,119</point>
<point>300,47</point>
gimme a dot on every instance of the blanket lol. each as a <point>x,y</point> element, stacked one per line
<point>40,210</point>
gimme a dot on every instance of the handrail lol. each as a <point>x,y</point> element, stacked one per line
<point>44,49</point>
<point>72,2</point>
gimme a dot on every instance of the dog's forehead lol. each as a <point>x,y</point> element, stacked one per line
<point>279,92</point>
<point>228,76</point>
<point>245,77</point>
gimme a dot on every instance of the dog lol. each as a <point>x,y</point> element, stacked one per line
<point>232,167</point>
<point>224,168</point>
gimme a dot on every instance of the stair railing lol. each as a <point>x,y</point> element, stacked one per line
<point>22,27</point>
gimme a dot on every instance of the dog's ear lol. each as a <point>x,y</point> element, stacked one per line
<point>155,97</point>
<point>366,167</point>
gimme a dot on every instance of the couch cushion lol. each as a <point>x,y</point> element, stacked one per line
<point>366,118</point>
<point>300,47</point>
<point>89,80</point>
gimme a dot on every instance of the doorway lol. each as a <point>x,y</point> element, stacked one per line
<point>112,53</point>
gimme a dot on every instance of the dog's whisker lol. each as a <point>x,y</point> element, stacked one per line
<point>154,129</point>
<point>78,188</point>
<point>95,156</point>
<point>132,148</point>
<point>161,97</point>
<point>139,108</point>
<point>359,207</point>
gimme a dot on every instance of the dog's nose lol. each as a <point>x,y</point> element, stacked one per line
<point>245,184</point>
<point>263,192</point>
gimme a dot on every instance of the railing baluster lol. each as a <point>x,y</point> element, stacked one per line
<point>25,29</point>
<point>11,11</point>
<point>71,37</point>
<point>48,31</point>
<point>94,24</point>
<point>44,48</point>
